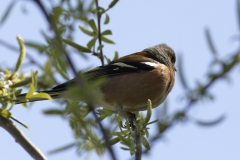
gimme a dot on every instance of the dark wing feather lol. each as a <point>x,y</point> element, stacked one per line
<point>112,69</point>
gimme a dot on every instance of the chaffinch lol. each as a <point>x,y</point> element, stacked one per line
<point>130,80</point>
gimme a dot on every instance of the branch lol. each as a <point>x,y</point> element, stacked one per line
<point>226,69</point>
<point>99,32</point>
<point>138,143</point>
<point>137,138</point>
<point>21,139</point>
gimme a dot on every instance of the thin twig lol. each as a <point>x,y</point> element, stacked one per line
<point>138,143</point>
<point>21,139</point>
<point>78,79</point>
<point>137,137</point>
<point>9,46</point>
<point>99,33</point>
<point>221,74</point>
<point>42,8</point>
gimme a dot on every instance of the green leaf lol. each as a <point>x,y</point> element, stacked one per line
<point>77,46</point>
<point>104,39</point>
<point>7,12</point>
<point>21,56</point>
<point>125,148</point>
<point>123,139</point>
<point>145,143</point>
<point>153,122</point>
<point>116,56</point>
<point>41,96</point>
<point>21,83</point>
<point>149,112</point>
<point>61,71</point>
<point>63,148</point>
<point>107,59</point>
<point>181,74</point>
<point>100,47</point>
<point>93,25</point>
<point>36,46</point>
<point>107,32</point>
<point>146,132</point>
<point>113,3</point>
<point>5,113</point>
<point>54,111</point>
<point>86,31</point>
<point>210,42</point>
<point>91,43</point>
<point>18,121</point>
<point>56,13</point>
<point>114,141</point>
<point>17,92</point>
<point>210,123</point>
<point>32,86</point>
<point>107,19</point>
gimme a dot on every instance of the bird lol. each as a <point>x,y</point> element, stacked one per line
<point>130,80</point>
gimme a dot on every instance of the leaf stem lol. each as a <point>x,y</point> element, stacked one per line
<point>99,15</point>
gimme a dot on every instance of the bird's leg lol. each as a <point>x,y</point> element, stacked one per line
<point>128,115</point>
<point>137,133</point>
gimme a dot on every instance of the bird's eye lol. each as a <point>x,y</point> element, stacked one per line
<point>173,59</point>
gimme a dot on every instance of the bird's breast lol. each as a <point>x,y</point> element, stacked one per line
<point>132,91</point>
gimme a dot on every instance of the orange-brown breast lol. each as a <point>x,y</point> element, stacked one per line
<point>131,91</point>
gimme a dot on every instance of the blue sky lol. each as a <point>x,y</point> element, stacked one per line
<point>138,24</point>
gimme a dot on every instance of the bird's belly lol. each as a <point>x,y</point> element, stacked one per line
<point>132,94</point>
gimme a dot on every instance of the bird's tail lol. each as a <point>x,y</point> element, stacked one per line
<point>53,93</point>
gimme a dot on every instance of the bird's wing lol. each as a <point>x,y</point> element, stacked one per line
<point>112,69</point>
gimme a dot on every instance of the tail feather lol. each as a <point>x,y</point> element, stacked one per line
<point>53,93</point>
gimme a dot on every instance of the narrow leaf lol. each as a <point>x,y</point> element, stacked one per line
<point>36,46</point>
<point>63,148</point>
<point>145,143</point>
<point>61,71</point>
<point>17,92</point>
<point>86,31</point>
<point>7,12</point>
<point>93,25</point>
<point>210,123</point>
<point>21,56</point>
<point>100,47</point>
<point>18,121</point>
<point>111,142</point>
<point>41,96</point>
<point>91,43</point>
<point>107,19</point>
<point>107,32</point>
<point>149,112</point>
<point>77,46</point>
<point>107,59</point>
<point>153,121</point>
<point>32,86</point>
<point>210,42</point>
<point>116,56</point>
<point>54,111</point>
<point>5,113</point>
<point>104,39</point>
<point>21,83</point>
<point>113,3</point>
<point>181,74</point>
